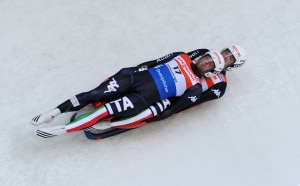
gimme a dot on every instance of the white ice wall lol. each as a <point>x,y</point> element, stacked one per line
<point>51,50</point>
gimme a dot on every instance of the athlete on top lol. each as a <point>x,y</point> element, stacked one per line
<point>159,87</point>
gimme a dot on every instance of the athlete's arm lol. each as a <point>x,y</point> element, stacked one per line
<point>214,92</point>
<point>192,55</point>
<point>162,60</point>
<point>188,99</point>
<point>197,53</point>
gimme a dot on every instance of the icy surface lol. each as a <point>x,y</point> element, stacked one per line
<point>51,50</point>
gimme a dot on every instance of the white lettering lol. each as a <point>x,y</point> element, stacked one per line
<point>116,102</point>
<point>162,79</point>
<point>127,103</point>
<point>163,58</point>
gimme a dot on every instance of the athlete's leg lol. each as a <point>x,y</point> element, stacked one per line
<point>114,87</point>
<point>125,106</point>
<point>130,104</point>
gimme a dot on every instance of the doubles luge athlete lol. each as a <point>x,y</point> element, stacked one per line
<point>150,92</point>
<point>212,87</point>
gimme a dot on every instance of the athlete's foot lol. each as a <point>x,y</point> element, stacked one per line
<point>50,131</point>
<point>46,117</point>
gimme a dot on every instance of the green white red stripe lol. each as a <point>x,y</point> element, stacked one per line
<point>87,120</point>
<point>145,114</point>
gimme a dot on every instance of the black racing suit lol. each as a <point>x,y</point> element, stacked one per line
<point>130,89</point>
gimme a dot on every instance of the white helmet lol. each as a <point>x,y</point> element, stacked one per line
<point>218,62</point>
<point>238,53</point>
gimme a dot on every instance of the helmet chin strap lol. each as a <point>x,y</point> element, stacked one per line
<point>207,72</point>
